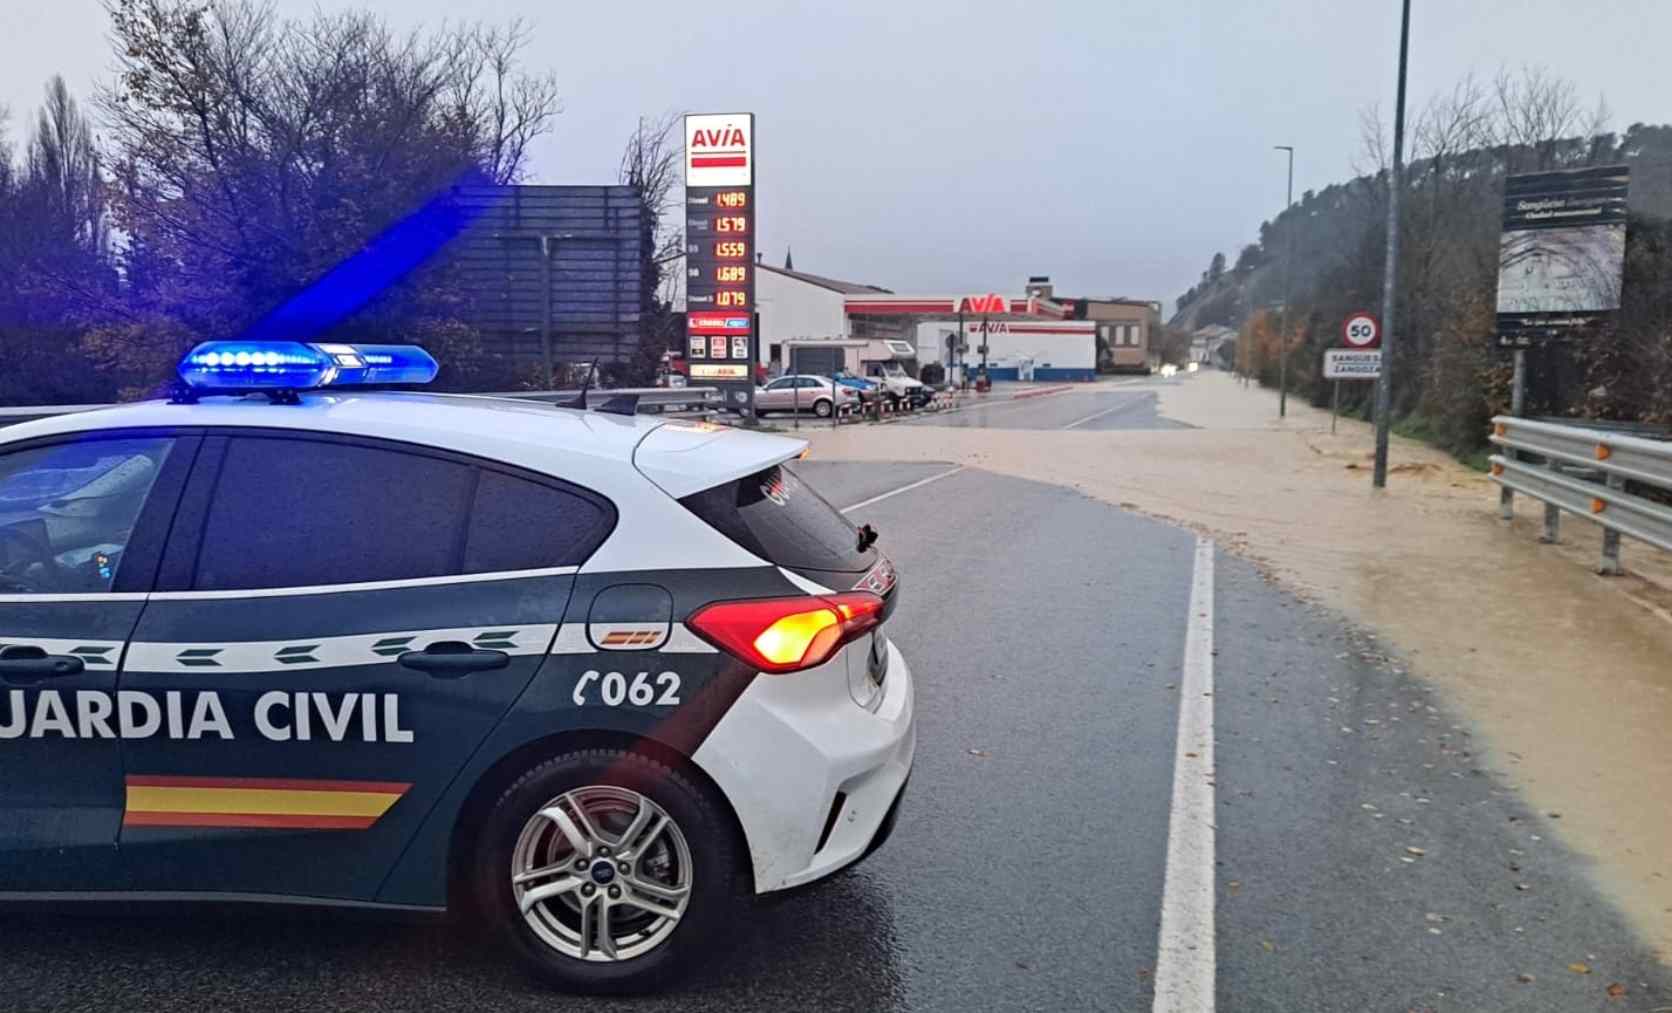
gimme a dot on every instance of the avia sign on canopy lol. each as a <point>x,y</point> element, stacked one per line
<point>990,304</point>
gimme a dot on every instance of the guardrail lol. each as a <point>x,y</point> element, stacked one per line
<point>1592,473</point>
<point>656,399</point>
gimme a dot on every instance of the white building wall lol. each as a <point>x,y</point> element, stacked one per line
<point>931,341</point>
<point>791,308</point>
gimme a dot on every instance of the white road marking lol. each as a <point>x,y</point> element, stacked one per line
<point>1184,965</point>
<point>1098,415</point>
<point>936,477</point>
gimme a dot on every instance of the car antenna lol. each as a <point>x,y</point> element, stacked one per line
<point>579,400</point>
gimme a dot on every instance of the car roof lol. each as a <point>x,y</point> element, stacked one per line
<point>596,449</point>
<point>529,433</point>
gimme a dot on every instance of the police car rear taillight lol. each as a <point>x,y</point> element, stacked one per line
<point>787,634</point>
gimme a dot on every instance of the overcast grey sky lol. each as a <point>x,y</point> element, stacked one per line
<point>947,146</point>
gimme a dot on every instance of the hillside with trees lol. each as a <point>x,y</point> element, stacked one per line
<point>1449,378</point>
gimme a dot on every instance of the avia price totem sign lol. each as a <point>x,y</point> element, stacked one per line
<point>721,344</point>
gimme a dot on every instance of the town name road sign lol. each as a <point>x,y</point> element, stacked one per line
<point>1352,364</point>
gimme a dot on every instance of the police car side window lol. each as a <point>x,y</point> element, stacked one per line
<point>297,513</point>
<point>68,510</point>
<point>516,524</point>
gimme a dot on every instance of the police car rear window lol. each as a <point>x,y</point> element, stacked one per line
<point>521,525</point>
<point>298,513</point>
<point>777,516</point>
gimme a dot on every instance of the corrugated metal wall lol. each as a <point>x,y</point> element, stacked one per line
<point>597,240</point>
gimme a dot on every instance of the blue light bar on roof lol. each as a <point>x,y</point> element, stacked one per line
<point>295,365</point>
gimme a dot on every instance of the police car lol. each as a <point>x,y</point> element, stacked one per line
<point>592,675</point>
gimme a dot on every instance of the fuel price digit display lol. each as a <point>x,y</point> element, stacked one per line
<point>719,249</point>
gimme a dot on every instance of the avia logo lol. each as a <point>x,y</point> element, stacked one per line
<point>992,303</point>
<point>722,137</point>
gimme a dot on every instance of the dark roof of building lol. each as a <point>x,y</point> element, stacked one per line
<point>1118,300</point>
<point>845,287</point>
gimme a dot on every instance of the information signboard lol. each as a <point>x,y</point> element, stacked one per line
<point>1562,252</point>
<point>720,253</point>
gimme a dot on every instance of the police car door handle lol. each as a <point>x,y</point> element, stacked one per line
<point>450,659</point>
<point>20,664</point>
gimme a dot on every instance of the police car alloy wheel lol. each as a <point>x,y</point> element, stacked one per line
<point>601,873</point>
<point>607,871</point>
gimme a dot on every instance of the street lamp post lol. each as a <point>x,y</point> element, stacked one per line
<point>1288,277</point>
<point>1390,277</point>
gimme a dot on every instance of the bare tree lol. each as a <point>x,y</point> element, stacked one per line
<point>61,176</point>
<point>1372,158</point>
<point>483,89</point>
<point>651,161</point>
<point>253,153</point>
<point>1539,114</point>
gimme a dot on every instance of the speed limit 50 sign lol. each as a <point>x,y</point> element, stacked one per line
<point>1361,330</point>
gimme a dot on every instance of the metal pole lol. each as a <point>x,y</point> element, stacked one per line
<point>1517,403</point>
<point>754,363</point>
<point>1610,565</point>
<point>1288,276</point>
<point>1334,407</point>
<point>546,243</point>
<point>1390,277</point>
<point>963,384</point>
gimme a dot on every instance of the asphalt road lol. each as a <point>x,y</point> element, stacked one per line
<point>1047,632</point>
<point>1115,404</point>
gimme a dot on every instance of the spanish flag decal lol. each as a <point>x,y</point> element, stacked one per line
<point>259,802</point>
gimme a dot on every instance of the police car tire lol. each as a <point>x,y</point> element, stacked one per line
<point>716,859</point>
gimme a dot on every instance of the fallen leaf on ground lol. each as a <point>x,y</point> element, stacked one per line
<point>1615,990</point>
<point>978,752</point>
<point>1579,967</point>
<point>1525,979</point>
<point>1266,943</point>
<point>1415,851</point>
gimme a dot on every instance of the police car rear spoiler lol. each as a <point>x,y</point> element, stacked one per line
<point>687,457</point>
<point>623,401</point>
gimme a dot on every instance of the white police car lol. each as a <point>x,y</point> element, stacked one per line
<point>595,674</point>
